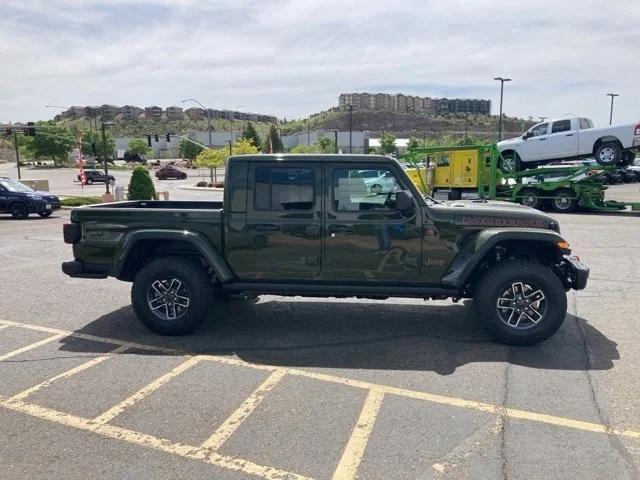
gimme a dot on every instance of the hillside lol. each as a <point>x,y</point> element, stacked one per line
<point>410,124</point>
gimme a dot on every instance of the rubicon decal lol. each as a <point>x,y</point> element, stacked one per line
<point>503,222</point>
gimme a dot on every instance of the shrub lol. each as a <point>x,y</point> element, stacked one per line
<point>201,184</point>
<point>79,201</point>
<point>141,186</point>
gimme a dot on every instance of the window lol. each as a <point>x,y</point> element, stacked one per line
<point>443,161</point>
<point>279,188</point>
<point>539,130</point>
<point>358,190</point>
<point>561,126</point>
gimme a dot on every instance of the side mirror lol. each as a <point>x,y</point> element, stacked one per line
<point>404,201</point>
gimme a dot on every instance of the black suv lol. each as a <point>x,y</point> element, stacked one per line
<point>19,200</point>
<point>96,176</point>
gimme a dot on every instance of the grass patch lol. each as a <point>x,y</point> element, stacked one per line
<point>80,201</point>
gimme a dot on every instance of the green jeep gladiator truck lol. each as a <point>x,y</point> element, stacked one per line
<point>329,226</point>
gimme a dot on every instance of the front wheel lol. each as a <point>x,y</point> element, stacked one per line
<point>509,163</point>
<point>45,213</point>
<point>171,295</point>
<point>520,302</point>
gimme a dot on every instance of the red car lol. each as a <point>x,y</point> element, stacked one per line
<point>170,172</point>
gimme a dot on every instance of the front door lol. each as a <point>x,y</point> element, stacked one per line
<point>283,221</point>
<point>365,237</point>
<point>535,147</point>
<point>562,142</point>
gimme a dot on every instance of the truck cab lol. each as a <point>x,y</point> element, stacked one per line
<point>328,226</point>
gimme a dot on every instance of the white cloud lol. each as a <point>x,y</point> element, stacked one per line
<point>292,58</point>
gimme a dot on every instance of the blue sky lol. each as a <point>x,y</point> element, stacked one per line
<point>292,58</point>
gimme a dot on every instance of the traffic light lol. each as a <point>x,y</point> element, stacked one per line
<point>149,139</point>
<point>155,137</point>
<point>168,137</point>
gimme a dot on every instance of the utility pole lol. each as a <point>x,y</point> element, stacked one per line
<point>15,142</point>
<point>350,126</point>
<point>501,80</point>
<point>104,155</point>
<point>230,147</point>
<point>612,95</point>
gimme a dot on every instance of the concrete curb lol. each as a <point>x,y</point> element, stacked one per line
<point>201,189</point>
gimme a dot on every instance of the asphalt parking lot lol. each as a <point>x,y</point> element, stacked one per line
<point>309,388</point>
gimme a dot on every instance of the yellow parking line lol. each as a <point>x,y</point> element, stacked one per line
<point>144,392</point>
<point>224,431</point>
<point>2,327</point>
<point>150,441</point>
<point>91,363</point>
<point>353,453</point>
<point>429,397</point>
<point>31,346</point>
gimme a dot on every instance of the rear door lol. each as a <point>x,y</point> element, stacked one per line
<point>283,220</point>
<point>365,237</point>
<point>562,141</point>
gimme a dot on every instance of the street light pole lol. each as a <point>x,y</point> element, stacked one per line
<point>612,95</point>
<point>104,155</point>
<point>15,142</point>
<point>501,80</point>
<point>231,118</point>
<point>208,112</point>
<point>350,127</point>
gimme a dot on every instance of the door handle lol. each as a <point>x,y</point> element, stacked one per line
<point>265,227</point>
<point>569,135</point>
<point>340,229</point>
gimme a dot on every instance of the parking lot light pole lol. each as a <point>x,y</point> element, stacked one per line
<point>501,80</point>
<point>350,126</point>
<point>15,142</point>
<point>207,111</point>
<point>612,95</point>
<point>104,155</point>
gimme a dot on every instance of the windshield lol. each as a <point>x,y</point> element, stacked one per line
<point>14,186</point>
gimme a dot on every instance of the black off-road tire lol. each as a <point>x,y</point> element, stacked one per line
<point>197,283</point>
<point>19,211</point>
<point>498,279</point>
<point>564,201</point>
<point>615,151</point>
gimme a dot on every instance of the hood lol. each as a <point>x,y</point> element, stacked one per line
<point>496,214</point>
<point>45,194</point>
<point>509,142</point>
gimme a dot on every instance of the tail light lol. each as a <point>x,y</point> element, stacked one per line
<point>637,130</point>
<point>72,233</point>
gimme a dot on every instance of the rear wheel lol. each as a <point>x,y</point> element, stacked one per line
<point>608,153</point>
<point>564,201</point>
<point>19,211</point>
<point>89,181</point>
<point>531,198</point>
<point>520,302</point>
<point>171,295</point>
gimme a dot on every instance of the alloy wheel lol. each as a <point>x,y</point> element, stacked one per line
<point>168,299</point>
<point>521,305</point>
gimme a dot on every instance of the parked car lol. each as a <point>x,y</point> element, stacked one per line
<point>308,225</point>
<point>134,157</point>
<point>170,171</point>
<point>96,176</point>
<point>20,200</point>
<point>570,138</point>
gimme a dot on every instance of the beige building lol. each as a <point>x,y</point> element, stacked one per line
<point>175,113</point>
<point>413,103</point>
<point>153,112</point>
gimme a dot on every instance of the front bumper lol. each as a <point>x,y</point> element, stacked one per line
<point>577,273</point>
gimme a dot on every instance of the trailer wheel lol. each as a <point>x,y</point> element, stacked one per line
<point>608,153</point>
<point>564,201</point>
<point>531,198</point>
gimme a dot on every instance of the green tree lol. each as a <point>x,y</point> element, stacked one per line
<point>188,149</point>
<point>305,149</point>
<point>95,137</point>
<point>249,132</point>
<point>273,138</point>
<point>141,186</point>
<point>51,142</point>
<point>413,143</point>
<point>214,158</point>
<point>326,145</point>
<point>388,143</point>
<point>139,146</point>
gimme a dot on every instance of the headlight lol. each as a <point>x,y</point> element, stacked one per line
<point>554,226</point>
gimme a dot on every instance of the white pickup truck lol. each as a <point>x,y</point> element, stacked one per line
<point>569,138</point>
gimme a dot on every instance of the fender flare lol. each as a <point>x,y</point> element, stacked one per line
<point>199,241</point>
<point>474,250</point>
